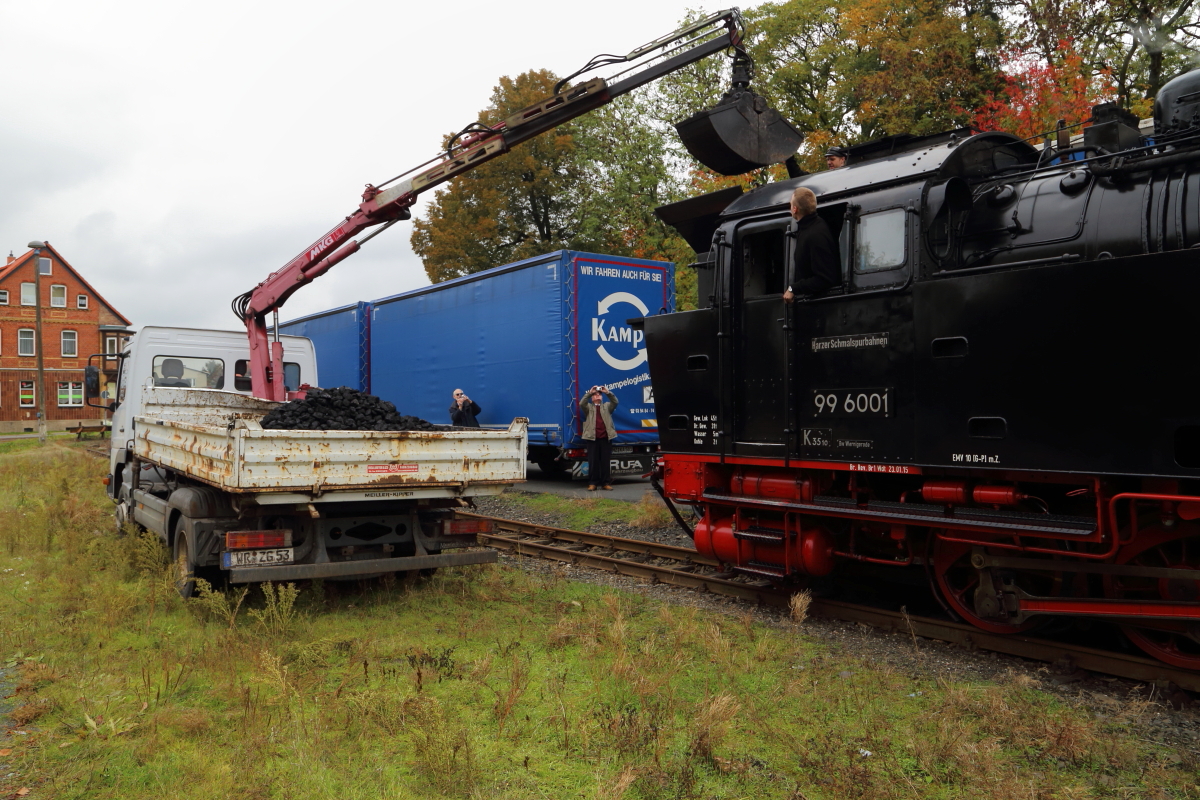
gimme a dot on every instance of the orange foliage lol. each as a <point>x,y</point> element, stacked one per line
<point>1037,94</point>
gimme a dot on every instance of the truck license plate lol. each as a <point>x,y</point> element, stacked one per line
<point>251,558</point>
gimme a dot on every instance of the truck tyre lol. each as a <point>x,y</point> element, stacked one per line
<point>121,515</point>
<point>184,563</point>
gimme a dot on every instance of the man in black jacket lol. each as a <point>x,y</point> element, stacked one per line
<point>817,265</point>
<point>463,410</point>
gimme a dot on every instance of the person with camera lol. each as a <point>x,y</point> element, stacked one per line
<point>463,410</point>
<point>598,434</point>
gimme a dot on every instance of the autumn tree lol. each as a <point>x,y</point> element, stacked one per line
<point>1141,44</point>
<point>1038,92</point>
<point>922,62</point>
<point>516,206</point>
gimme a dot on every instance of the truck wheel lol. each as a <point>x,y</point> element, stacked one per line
<point>185,565</point>
<point>121,515</point>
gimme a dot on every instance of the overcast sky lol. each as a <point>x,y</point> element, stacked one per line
<point>177,154</point>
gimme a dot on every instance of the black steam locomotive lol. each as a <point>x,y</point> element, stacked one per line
<point>996,393</point>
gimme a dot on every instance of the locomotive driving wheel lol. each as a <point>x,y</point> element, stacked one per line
<point>958,582</point>
<point>1176,643</point>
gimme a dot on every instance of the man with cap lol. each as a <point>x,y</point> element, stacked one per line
<point>835,157</point>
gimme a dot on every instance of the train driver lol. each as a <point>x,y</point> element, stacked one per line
<point>817,265</point>
<point>835,157</point>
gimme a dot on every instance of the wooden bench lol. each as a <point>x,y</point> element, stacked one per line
<point>80,430</point>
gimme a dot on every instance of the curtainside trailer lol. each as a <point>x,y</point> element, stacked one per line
<point>526,339</point>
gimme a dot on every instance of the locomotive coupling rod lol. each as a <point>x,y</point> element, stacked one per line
<point>983,561</point>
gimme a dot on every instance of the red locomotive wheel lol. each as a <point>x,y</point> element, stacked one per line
<point>1176,643</point>
<point>957,581</point>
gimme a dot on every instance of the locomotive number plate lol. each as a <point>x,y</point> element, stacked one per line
<point>852,402</point>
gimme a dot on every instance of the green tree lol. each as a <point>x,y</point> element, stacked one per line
<point>513,207</point>
<point>922,63</point>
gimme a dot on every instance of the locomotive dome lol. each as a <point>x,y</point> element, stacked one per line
<point>1177,104</point>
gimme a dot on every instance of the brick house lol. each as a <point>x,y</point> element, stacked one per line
<point>76,322</point>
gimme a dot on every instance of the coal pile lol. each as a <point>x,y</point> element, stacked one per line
<point>343,409</point>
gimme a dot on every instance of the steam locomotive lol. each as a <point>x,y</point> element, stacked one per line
<point>996,394</point>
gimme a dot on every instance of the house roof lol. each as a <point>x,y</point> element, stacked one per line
<point>22,259</point>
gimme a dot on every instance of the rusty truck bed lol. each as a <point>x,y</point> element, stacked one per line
<point>215,437</point>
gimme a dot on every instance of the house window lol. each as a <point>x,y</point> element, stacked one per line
<point>70,344</point>
<point>110,345</point>
<point>45,265</point>
<point>28,294</point>
<point>4,297</point>
<point>25,342</point>
<point>28,400</point>
<point>58,296</point>
<point>81,301</point>
<point>70,393</point>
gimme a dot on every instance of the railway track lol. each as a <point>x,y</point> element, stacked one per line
<point>679,566</point>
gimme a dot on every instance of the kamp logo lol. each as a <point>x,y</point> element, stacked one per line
<point>616,335</point>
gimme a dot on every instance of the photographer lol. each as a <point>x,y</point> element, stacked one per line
<point>463,410</point>
<point>598,433</point>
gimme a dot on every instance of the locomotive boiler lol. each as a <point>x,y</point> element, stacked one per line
<point>997,394</point>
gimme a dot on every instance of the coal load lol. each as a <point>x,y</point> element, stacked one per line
<point>342,409</point>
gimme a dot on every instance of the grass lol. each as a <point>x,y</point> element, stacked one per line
<point>480,682</point>
<point>583,512</point>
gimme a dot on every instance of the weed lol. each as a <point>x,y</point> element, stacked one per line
<point>163,683</point>
<point>632,728</point>
<point>217,606</point>
<point>440,662</point>
<point>22,715</point>
<point>517,681</point>
<point>279,612</point>
<point>651,512</point>
<point>711,725</point>
<point>443,746</point>
<point>798,605</point>
<point>618,785</point>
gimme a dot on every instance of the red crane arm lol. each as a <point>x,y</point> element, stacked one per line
<point>476,145</point>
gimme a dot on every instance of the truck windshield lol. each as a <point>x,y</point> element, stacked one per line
<point>189,372</point>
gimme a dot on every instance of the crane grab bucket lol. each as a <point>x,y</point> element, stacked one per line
<point>740,134</point>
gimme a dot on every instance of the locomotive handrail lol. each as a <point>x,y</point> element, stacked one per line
<point>899,287</point>
<point>1033,262</point>
<point>1133,497</point>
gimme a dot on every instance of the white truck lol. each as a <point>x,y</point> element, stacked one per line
<point>190,461</point>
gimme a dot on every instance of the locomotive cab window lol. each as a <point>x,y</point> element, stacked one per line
<point>763,263</point>
<point>880,241</point>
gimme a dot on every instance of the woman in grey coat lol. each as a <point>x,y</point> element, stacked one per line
<point>598,434</point>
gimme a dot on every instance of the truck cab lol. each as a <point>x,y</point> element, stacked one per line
<point>188,358</point>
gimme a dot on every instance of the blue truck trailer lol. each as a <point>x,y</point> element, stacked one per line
<point>526,339</point>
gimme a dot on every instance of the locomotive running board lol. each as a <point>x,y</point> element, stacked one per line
<point>973,519</point>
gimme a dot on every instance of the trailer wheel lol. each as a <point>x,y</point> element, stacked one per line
<point>185,563</point>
